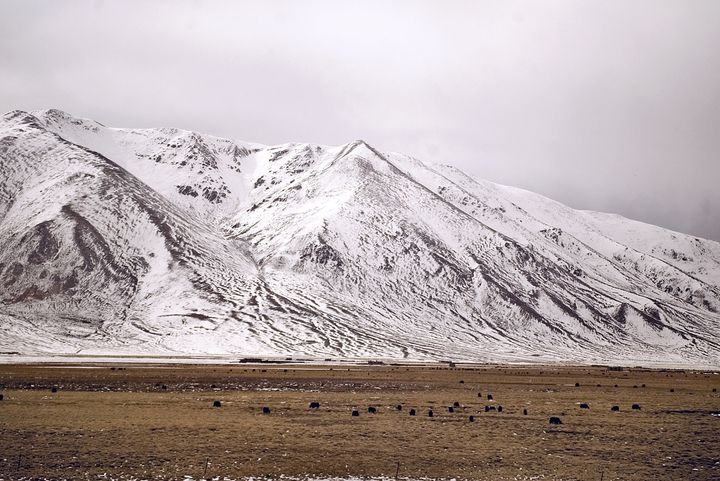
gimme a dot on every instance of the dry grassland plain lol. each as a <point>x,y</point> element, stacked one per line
<point>158,422</point>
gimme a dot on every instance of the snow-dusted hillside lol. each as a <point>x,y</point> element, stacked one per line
<point>166,241</point>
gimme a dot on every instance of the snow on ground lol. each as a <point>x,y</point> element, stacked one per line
<point>170,242</point>
<point>111,477</point>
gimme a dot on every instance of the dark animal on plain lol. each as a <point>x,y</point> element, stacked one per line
<point>490,408</point>
<point>635,386</point>
<point>636,406</point>
<point>599,385</point>
<point>584,406</point>
<point>412,412</point>
<point>462,382</point>
<point>2,397</point>
<point>217,404</point>
<point>456,404</point>
<point>489,397</point>
<point>212,386</point>
<point>479,394</point>
<point>399,407</point>
<point>615,385</point>
<point>471,419</point>
<point>372,410</point>
<point>524,412</point>
<point>555,420</point>
<point>615,408</point>
<point>499,409</point>
<point>355,413</point>
<point>266,410</point>
<point>672,390</point>
<point>714,389</point>
<point>643,385</point>
<point>451,409</point>
<point>54,389</point>
<point>430,413</point>
<point>314,405</point>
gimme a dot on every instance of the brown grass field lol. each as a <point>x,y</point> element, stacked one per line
<point>120,421</point>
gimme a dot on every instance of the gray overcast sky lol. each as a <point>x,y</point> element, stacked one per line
<point>603,105</point>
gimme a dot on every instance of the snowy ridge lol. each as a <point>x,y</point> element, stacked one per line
<point>168,241</point>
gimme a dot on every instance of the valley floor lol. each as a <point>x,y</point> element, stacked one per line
<point>153,421</point>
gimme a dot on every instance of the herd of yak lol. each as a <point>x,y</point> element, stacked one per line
<point>355,412</point>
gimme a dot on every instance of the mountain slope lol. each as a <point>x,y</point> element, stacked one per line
<point>161,240</point>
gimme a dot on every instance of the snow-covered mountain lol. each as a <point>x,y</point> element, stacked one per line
<point>167,241</point>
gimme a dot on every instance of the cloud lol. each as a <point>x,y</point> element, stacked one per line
<point>600,105</point>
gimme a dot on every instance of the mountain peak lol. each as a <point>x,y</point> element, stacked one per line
<point>162,240</point>
<point>19,117</point>
<point>62,118</point>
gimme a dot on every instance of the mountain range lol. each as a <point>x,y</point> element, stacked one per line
<point>167,242</point>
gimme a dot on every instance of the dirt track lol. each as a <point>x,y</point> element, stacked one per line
<point>158,422</point>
